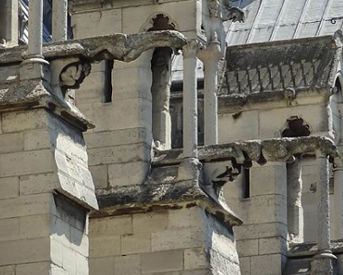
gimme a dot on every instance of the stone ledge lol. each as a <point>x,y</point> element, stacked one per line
<point>151,196</point>
<point>311,249</point>
<point>33,94</point>
<point>260,151</point>
<point>122,47</point>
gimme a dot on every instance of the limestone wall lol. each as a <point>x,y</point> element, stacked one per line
<point>120,145</point>
<point>40,232</point>
<point>170,242</point>
<point>262,239</point>
<point>268,120</point>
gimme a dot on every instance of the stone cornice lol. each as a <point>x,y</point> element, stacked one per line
<point>122,47</point>
<point>259,151</point>
<point>156,196</point>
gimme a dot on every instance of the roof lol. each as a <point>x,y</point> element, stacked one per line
<point>299,64</point>
<point>272,20</point>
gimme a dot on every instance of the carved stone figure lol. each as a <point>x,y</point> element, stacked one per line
<point>215,12</point>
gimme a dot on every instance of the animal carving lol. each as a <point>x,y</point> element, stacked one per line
<point>215,12</point>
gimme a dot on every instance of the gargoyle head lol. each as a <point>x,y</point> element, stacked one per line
<point>234,14</point>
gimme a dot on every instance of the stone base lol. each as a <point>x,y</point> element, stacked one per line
<point>322,264</point>
<point>34,68</point>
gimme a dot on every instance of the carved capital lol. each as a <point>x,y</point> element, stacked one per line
<point>212,53</point>
<point>190,50</point>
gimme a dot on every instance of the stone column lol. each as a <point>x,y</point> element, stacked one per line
<point>9,30</point>
<point>59,20</point>
<point>210,57</point>
<point>322,263</point>
<point>190,100</point>
<point>59,33</point>
<point>160,91</point>
<point>35,28</point>
<point>295,214</point>
<point>338,200</point>
<point>32,66</point>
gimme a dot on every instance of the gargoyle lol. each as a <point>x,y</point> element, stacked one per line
<point>215,13</point>
<point>233,14</point>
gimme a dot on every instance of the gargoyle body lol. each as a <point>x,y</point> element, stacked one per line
<point>215,12</point>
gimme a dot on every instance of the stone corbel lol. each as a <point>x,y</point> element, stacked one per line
<point>69,73</point>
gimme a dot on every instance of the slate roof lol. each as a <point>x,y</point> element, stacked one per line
<point>300,64</point>
<point>273,20</point>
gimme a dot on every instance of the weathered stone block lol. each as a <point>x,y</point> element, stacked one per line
<point>132,173</point>
<point>119,154</point>
<point>11,142</point>
<point>256,231</point>
<point>110,226</point>
<point>140,86</point>
<point>186,218</point>
<point>41,268</point>
<point>25,206</point>
<point>195,258</point>
<point>100,176</point>
<point>165,261</point>
<point>36,139</point>
<point>176,239</point>
<point>267,264</point>
<point>244,263</point>
<point>117,137</point>
<point>25,163</point>
<point>273,122</point>
<point>7,270</point>
<point>245,126</point>
<point>9,229</point>
<point>136,243</point>
<point>150,222</point>
<point>247,247</point>
<point>135,18</point>
<point>24,251</point>
<point>272,245</point>
<point>105,265</point>
<point>268,208</point>
<point>29,184</point>
<point>125,265</point>
<point>35,226</point>
<point>120,114</point>
<point>24,120</point>
<point>104,246</point>
<point>9,188</point>
<point>276,183</point>
<point>97,23</point>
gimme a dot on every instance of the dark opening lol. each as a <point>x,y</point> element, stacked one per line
<point>338,86</point>
<point>108,81</point>
<point>246,183</point>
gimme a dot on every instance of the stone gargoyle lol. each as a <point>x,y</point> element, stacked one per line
<point>215,13</point>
